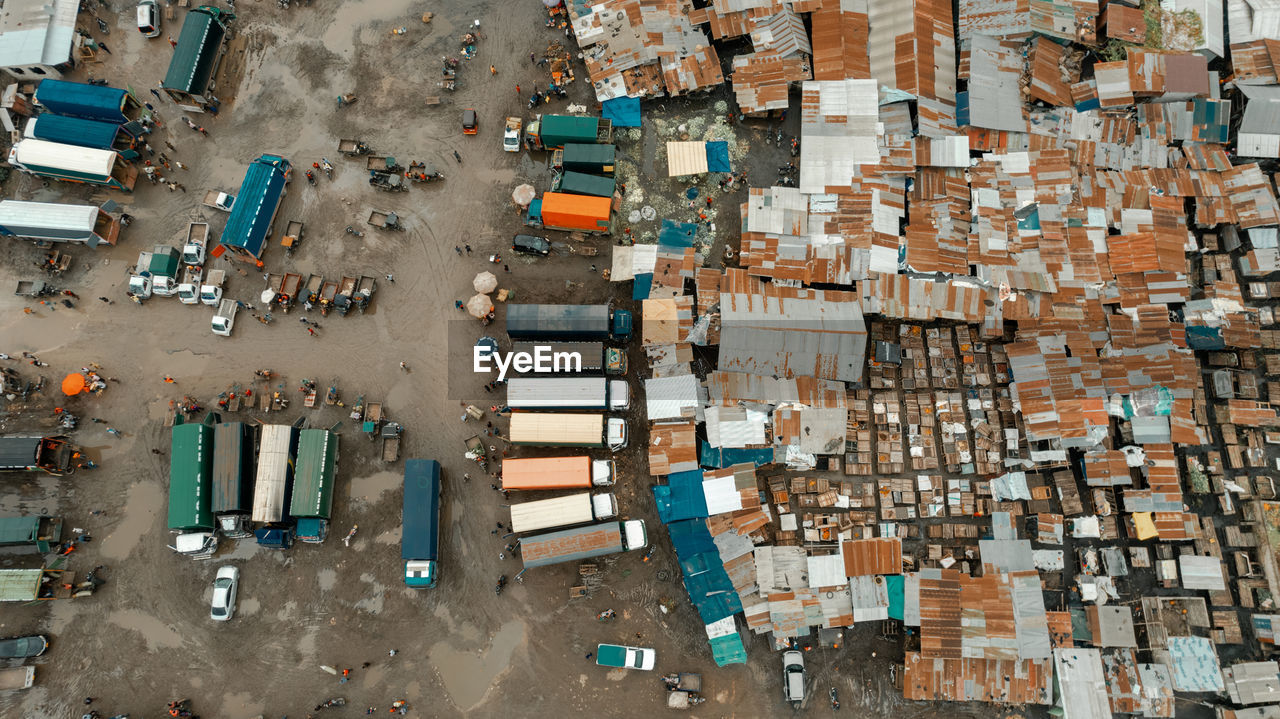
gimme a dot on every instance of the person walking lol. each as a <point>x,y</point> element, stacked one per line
<point>457,157</point>
<point>531,60</point>
<point>493,70</point>
<point>169,380</point>
<point>173,43</point>
<point>468,248</point>
<point>517,89</point>
<point>311,331</point>
<point>404,367</point>
<point>391,278</point>
<point>458,250</point>
<point>156,93</point>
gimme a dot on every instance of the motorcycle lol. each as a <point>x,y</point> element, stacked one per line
<point>311,178</point>
<point>606,615</point>
<point>502,582</point>
<point>264,373</point>
<point>334,702</point>
<point>353,231</point>
<point>795,147</point>
<point>97,82</point>
<point>328,167</point>
<point>835,699</point>
<point>346,541</point>
<point>103,26</point>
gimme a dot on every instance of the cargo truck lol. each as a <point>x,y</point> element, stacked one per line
<point>591,159</point>
<point>277,448</point>
<point>540,473</point>
<point>587,358</point>
<point>80,132</point>
<point>31,533</point>
<point>156,273</point>
<point>90,102</point>
<point>190,486</point>
<point>558,512</point>
<point>511,135</point>
<point>420,532</point>
<point>73,164</point>
<point>234,464</point>
<point>193,250</point>
<point>546,429</point>
<point>571,213</point>
<point>313,478</point>
<point>547,132</point>
<point>52,222</point>
<point>581,183</point>
<point>52,454</point>
<point>571,545</point>
<point>560,393</point>
<point>568,322</point>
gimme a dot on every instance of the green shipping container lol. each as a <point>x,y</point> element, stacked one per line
<point>314,474</point>
<point>580,183</point>
<point>190,476</point>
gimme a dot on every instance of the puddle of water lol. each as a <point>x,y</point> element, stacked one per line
<point>144,502</point>
<point>468,675</point>
<point>616,675</point>
<point>156,633</point>
<point>338,38</point>
<point>248,607</point>
<point>373,602</point>
<point>373,677</point>
<point>307,644</point>
<point>328,578</point>
<point>371,488</point>
<point>286,612</point>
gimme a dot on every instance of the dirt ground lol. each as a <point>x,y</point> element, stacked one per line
<point>145,637</point>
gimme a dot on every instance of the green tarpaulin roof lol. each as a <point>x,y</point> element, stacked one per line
<point>196,54</point>
<point>190,475</point>
<point>314,473</point>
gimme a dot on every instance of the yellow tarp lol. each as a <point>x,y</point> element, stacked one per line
<point>1142,524</point>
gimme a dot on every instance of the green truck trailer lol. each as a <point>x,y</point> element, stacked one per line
<point>313,478</point>
<point>580,183</point>
<point>31,532</point>
<point>549,132</point>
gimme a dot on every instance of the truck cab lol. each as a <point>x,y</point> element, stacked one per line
<point>615,361</point>
<point>193,250</point>
<point>420,573</point>
<point>621,325</point>
<point>225,320</point>
<point>140,287</point>
<point>619,395</point>
<point>211,290</point>
<point>313,530</point>
<point>189,289</point>
<point>602,472</point>
<point>617,433</point>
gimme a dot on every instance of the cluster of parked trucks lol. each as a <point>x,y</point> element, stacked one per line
<point>272,482</point>
<point>583,158</point>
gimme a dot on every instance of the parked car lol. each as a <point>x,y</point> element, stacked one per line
<point>22,647</point>
<point>148,18</point>
<point>531,245</point>
<point>225,584</point>
<point>470,123</point>
<point>623,657</point>
<point>793,677</point>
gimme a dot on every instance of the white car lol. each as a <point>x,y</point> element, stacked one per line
<point>148,18</point>
<point>793,677</point>
<point>223,606</point>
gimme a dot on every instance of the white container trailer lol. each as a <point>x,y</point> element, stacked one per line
<point>275,459</point>
<point>567,511</point>
<point>563,393</point>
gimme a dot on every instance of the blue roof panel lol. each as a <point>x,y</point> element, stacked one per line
<point>76,131</point>
<point>256,203</point>
<point>77,99</point>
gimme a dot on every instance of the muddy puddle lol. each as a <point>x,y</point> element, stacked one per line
<point>468,673</point>
<point>145,501</point>
<point>370,488</point>
<point>155,633</point>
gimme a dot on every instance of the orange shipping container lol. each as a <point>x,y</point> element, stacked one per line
<point>576,212</point>
<point>556,473</point>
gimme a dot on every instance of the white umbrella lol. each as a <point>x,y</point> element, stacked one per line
<point>479,306</point>
<point>523,195</point>
<point>485,282</point>
<point>268,296</point>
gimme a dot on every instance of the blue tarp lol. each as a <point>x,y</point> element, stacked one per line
<point>721,458</point>
<point>642,286</point>
<point>622,111</point>
<point>77,99</point>
<point>718,156</point>
<point>1200,337</point>
<point>681,498</point>
<point>895,585</point>
<point>255,206</point>
<point>728,650</point>
<point>677,234</point>
<point>75,131</point>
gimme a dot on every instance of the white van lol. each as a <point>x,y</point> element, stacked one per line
<point>148,18</point>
